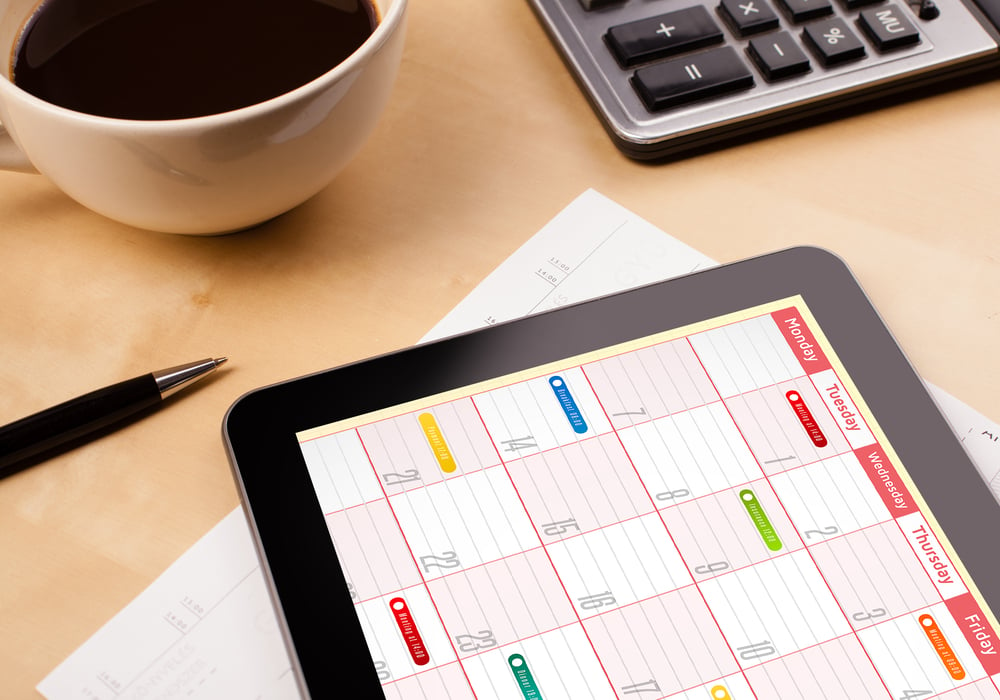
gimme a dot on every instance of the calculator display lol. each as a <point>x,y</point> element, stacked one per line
<point>710,513</point>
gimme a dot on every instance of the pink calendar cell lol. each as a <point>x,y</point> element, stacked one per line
<point>372,570</point>
<point>458,523</point>
<point>774,608</point>
<point>731,530</point>
<point>417,449</point>
<point>541,413</point>
<point>502,602</point>
<point>579,487</point>
<point>618,565</point>
<point>839,668</point>
<point>650,383</point>
<point>662,645</point>
<point>874,574</point>
<point>829,498</point>
<point>745,356</point>
<point>780,436</point>
<point>447,682</point>
<point>690,454</point>
<point>557,665</point>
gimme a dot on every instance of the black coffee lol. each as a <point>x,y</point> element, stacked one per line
<point>172,59</point>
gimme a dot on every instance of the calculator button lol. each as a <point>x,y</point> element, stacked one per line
<point>593,4</point>
<point>889,28</point>
<point>778,56</point>
<point>852,4</point>
<point>833,41</point>
<point>749,16</point>
<point>689,78</point>
<point>802,10</point>
<point>663,35</point>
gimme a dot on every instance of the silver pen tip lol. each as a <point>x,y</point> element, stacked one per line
<point>220,361</point>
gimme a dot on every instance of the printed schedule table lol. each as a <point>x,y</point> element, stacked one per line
<point>708,513</point>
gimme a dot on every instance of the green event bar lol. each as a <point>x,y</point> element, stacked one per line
<point>760,520</point>
<point>524,678</point>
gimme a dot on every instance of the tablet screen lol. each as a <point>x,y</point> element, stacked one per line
<point>710,512</point>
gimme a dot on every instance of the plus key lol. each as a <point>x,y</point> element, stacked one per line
<point>653,38</point>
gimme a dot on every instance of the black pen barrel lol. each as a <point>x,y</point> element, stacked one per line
<point>76,418</point>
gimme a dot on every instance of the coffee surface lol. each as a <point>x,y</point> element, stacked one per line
<point>173,59</point>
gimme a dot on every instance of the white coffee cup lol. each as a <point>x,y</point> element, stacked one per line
<point>204,175</point>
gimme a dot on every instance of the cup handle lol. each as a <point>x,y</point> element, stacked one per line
<point>11,157</point>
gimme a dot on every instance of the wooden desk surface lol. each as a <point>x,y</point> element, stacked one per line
<point>486,138</point>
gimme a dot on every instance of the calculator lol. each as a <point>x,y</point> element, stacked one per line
<point>671,76</point>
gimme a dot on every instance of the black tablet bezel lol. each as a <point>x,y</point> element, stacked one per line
<point>312,598</point>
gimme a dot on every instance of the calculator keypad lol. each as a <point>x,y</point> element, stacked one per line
<point>668,74</point>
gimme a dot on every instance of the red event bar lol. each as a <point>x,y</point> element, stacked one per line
<point>801,340</point>
<point>408,628</point>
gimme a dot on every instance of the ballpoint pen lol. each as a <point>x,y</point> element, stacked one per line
<point>25,441</point>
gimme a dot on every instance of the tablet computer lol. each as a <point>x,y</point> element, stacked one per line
<point>728,485</point>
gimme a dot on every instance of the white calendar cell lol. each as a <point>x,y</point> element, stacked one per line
<point>690,454</point>
<point>774,608</point>
<point>558,665</point>
<point>464,522</point>
<point>746,356</point>
<point>404,633</point>
<point>340,471</point>
<point>830,498</point>
<point>921,651</point>
<point>618,565</point>
<point>542,413</point>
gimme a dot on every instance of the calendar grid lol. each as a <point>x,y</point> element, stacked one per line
<point>812,559</point>
<point>386,495</point>
<point>566,592</point>
<point>670,536</point>
<point>706,516</point>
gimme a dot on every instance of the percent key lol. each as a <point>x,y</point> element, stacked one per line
<point>833,42</point>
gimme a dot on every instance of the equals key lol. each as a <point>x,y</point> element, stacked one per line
<point>688,78</point>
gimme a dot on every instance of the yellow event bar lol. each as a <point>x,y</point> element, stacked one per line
<point>436,440</point>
